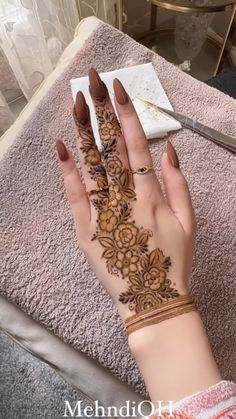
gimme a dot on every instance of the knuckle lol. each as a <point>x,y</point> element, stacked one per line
<point>181,183</point>
<point>83,233</point>
<point>139,144</point>
<point>73,198</point>
<point>148,195</point>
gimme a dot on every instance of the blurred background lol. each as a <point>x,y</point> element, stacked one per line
<point>34,33</point>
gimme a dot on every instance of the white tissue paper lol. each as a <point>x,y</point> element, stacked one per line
<point>140,82</point>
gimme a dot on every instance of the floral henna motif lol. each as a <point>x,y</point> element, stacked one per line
<point>107,220</point>
<point>150,286</point>
<point>127,262</point>
<point>113,166</point>
<point>109,127</point>
<point>125,244</point>
<point>92,158</point>
<point>115,195</point>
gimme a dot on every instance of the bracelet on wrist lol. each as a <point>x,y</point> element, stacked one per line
<point>163,311</point>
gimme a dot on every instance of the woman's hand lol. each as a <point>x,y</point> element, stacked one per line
<point>139,242</point>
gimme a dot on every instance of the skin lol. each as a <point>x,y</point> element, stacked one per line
<point>177,350</point>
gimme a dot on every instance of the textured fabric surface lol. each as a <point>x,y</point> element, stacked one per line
<point>44,270</point>
<point>30,389</point>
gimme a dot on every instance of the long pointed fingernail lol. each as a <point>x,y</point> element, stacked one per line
<point>120,93</point>
<point>97,87</point>
<point>81,108</point>
<point>172,155</point>
<point>61,150</point>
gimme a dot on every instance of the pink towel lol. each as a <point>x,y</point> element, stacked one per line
<point>43,269</point>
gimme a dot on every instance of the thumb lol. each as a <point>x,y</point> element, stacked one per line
<point>177,191</point>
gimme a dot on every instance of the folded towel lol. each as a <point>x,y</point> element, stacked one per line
<point>42,267</point>
<point>141,82</point>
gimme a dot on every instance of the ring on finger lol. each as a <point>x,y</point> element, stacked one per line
<point>142,170</point>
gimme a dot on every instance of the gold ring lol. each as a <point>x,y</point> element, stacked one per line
<point>142,170</point>
<point>93,191</point>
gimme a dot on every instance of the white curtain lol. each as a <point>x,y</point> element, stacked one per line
<point>33,35</point>
<point>6,116</point>
<point>103,9</point>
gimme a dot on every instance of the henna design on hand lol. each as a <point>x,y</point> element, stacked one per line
<point>125,245</point>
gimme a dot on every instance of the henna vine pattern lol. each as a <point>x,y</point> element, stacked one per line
<point>125,245</point>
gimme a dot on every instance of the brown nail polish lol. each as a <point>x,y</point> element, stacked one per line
<point>172,156</point>
<point>97,87</point>
<point>62,151</point>
<point>120,93</point>
<point>81,108</point>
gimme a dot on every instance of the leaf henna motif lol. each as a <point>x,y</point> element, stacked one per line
<point>125,245</point>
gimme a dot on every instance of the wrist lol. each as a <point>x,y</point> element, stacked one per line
<point>174,357</point>
<point>142,339</point>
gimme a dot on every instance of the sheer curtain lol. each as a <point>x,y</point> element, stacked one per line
<point>103,9</point>
<point>33,35</point>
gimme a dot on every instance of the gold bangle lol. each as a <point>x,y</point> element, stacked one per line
<point>175,307</point>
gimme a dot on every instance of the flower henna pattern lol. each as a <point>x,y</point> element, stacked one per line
<point>125,245</point>
<point>109,127</point>
<point>113,166</point>
<point>93,157</point>
<point>125,235</point>
<point>107,220</point>
<point>115,194</point>
<point>127,262</point>
<point>151,285</point>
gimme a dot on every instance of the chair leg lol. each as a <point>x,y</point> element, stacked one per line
<point>153,17</point>
<point>227,42</point>
<point>119,11</point>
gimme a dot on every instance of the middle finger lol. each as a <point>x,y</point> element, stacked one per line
<point>114,148</point>
<point>145,179</point>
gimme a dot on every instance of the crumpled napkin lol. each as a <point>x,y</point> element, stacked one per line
<point>141,82</point>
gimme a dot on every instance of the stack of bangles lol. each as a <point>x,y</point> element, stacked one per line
<point>163,311</point>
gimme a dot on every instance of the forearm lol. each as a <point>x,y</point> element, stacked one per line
<point>174,357</point>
